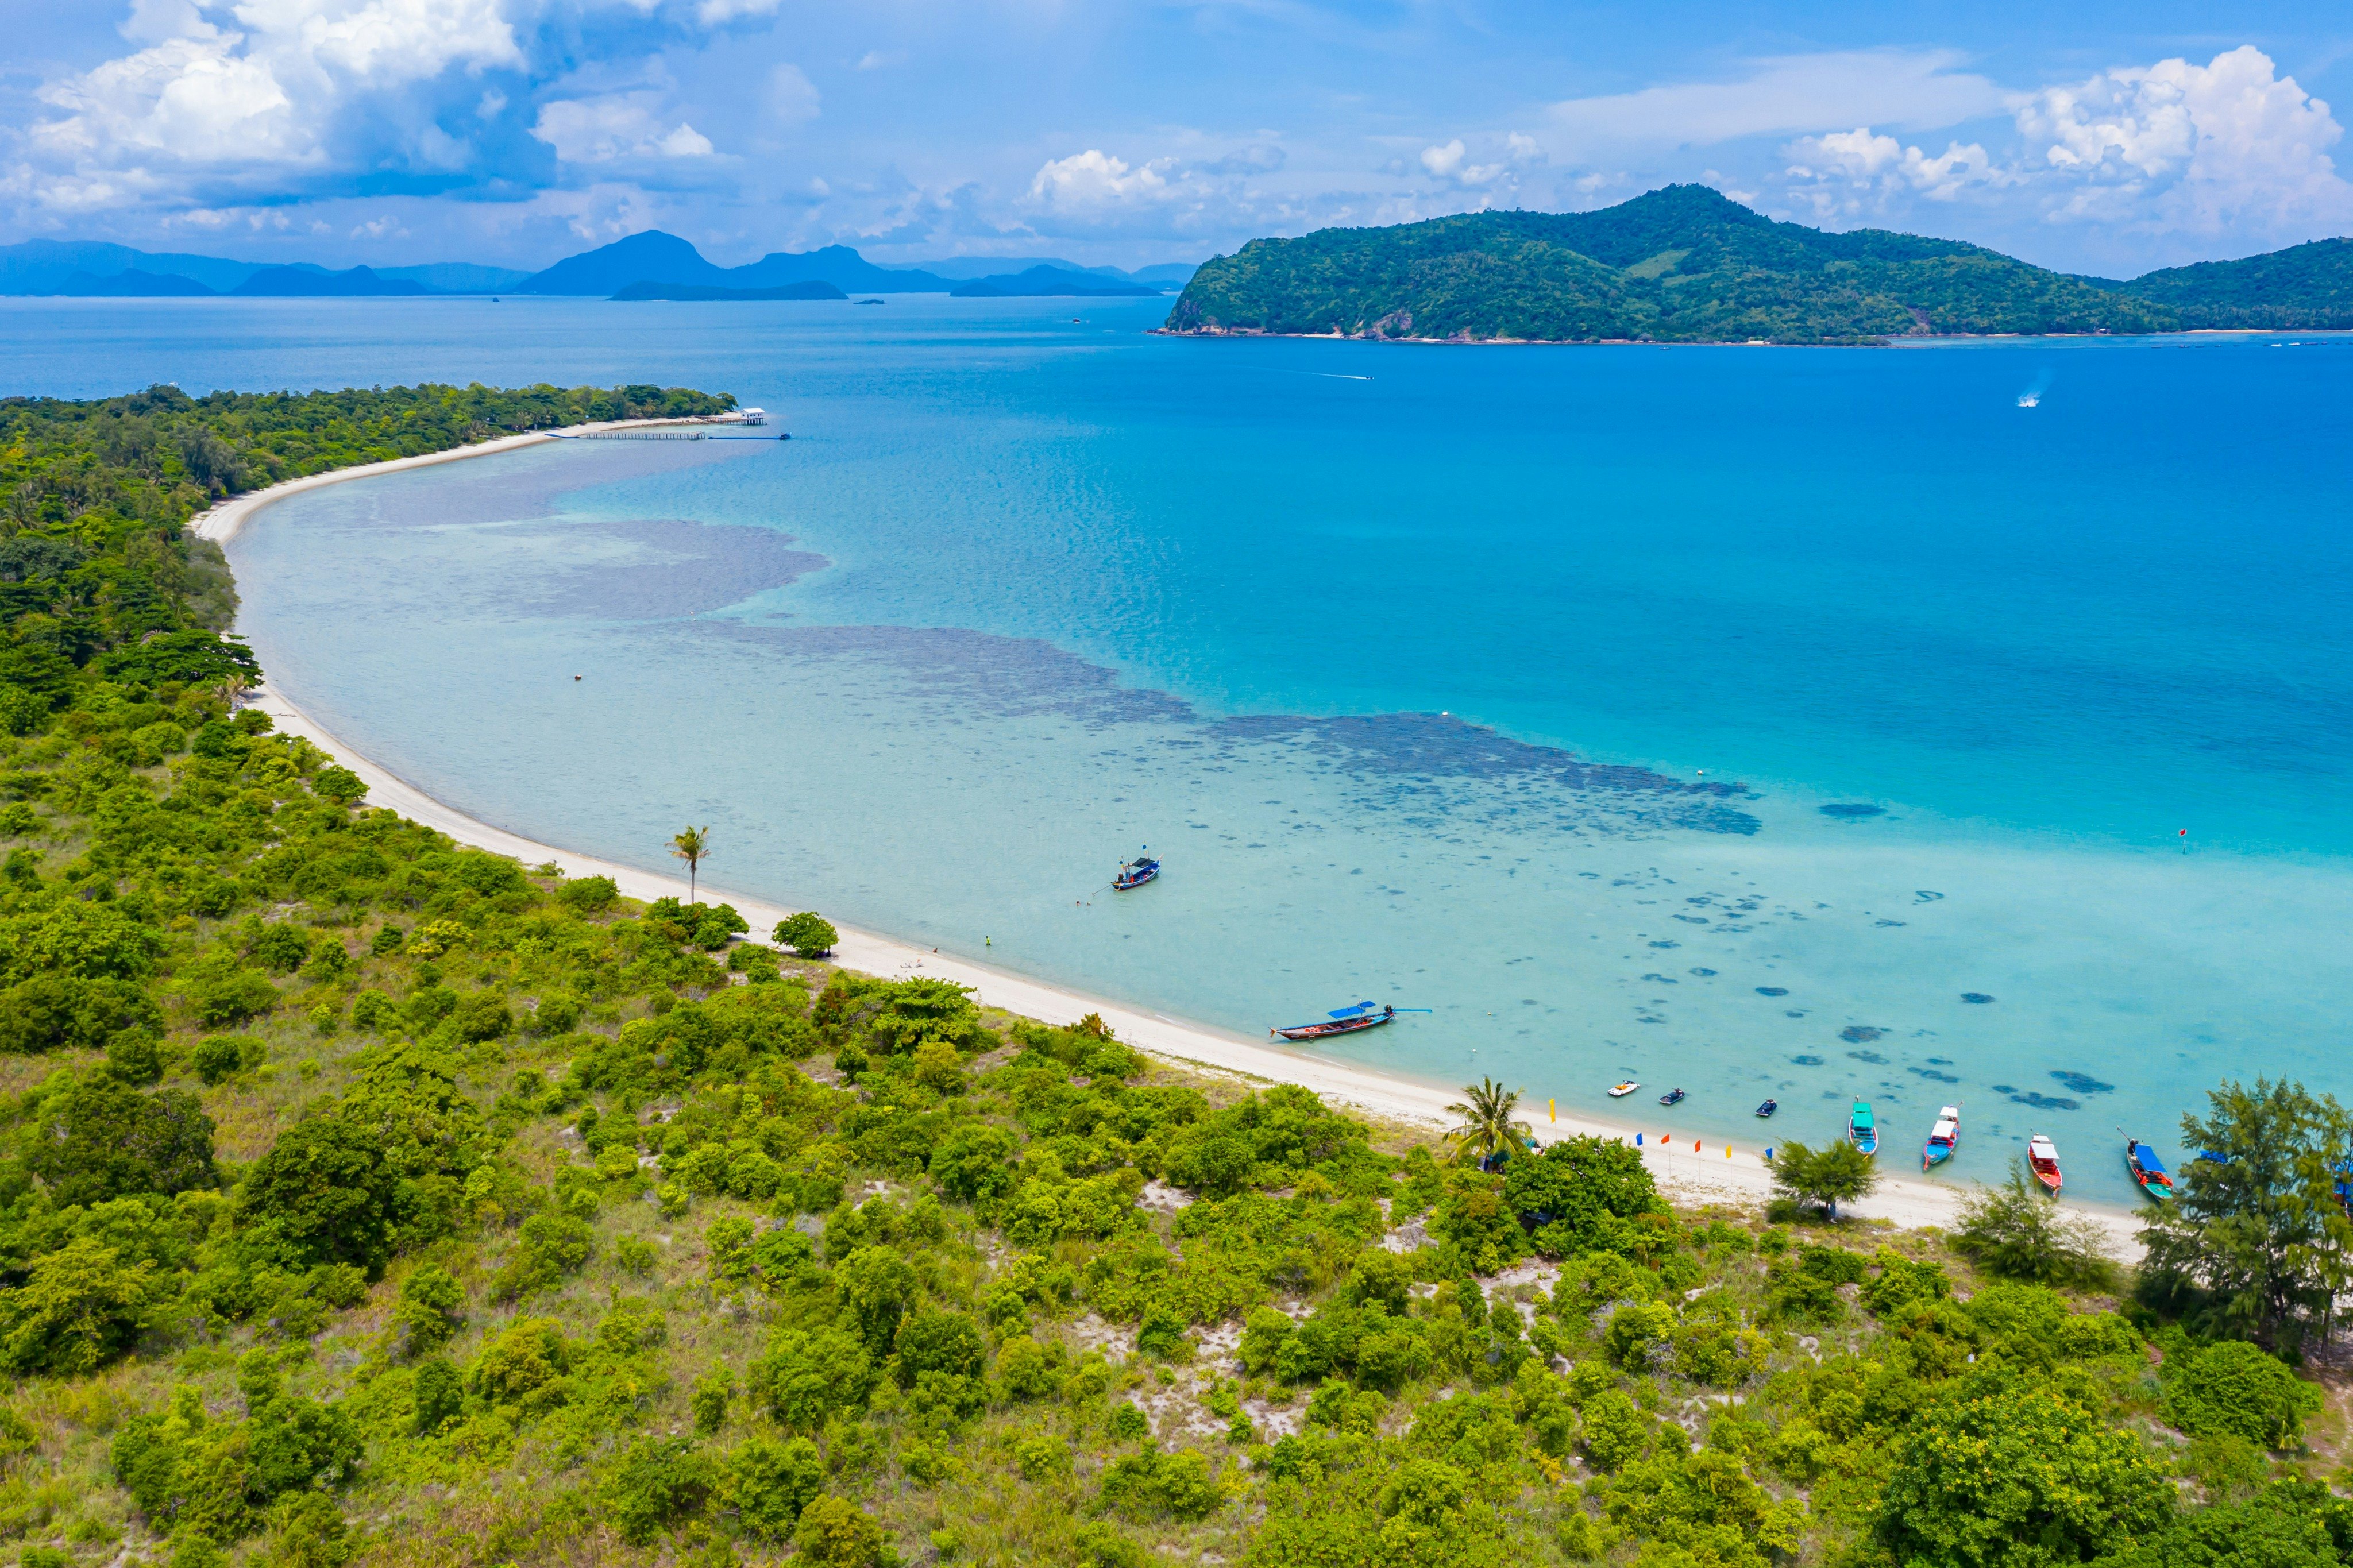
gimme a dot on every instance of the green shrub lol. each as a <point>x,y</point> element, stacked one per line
<point>1613,1432</point>
<point>588,895</point>
<point>769,1483</point>
<point>835,1533</point>
<point>327,1191</point>
<point>1041,1459</point>
<point>437,1393</point>
<point>1148,1485</point>
<point>523,1364</point>
<point>1635,1331</point>
<point>79,1307</point>
<point>223,1057</point>
<point>660,1481</point>
<point>2018,1477</point>
<point>430,1309</point>
<point>102,1139</point>
<point>809,935</point>
<point>2232,1388</point>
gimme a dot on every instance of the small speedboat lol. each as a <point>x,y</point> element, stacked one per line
<point>1943,1138</point>
<point>1136,873</point>
<point>2043,1159</point>
<point>1623,1089</point>
<point>1340,1021</point>
<point>2149,1170</point>
<point>1672,1097</point>
<point>1861,1129</point>
<point>1768,1107</point>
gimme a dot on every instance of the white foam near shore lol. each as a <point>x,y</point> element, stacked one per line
<point>1709,1171</point>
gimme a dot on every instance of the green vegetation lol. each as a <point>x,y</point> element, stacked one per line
<point>366,1199</point>
<point>2299,288</point>
<point>1837,1173</point>
<point>1686,264</point>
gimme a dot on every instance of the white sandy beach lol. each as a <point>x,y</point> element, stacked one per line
<point>1712,1172</point>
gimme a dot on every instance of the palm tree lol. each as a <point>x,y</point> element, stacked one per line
<point>690,844</point>
<point>1487,1124</point>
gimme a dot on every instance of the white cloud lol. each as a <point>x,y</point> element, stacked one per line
<point>194,99</point>
<point>1452,162</point>
<point>254,98</point>
<point>717,12</point>
<point>1863,158</point>
<point>615,126</point>
<point>1095,179</point>
<point>2230,145</point>
<point>792,97</point>
<point>1789,95</point>
<point>879,59</point>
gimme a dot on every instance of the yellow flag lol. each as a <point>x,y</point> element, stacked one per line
<point>1552,1112</point>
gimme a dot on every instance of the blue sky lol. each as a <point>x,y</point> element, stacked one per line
<point>2099,136</point>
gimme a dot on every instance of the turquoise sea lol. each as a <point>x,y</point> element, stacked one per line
<point>1796,722</point>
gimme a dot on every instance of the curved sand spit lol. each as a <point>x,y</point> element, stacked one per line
<point>1700,1175</point>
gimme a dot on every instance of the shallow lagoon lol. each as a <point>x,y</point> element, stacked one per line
<point>1024,592</point>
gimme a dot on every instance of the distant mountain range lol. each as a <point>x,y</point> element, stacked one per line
<point>95,269</point>
<point>1686,264</point>
<point>813,289</point>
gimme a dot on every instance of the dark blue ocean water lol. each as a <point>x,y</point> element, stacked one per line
<point>1420,659</point>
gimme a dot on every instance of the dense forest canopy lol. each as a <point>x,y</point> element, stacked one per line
<point>1686,264</point>
<point>369,1199</point>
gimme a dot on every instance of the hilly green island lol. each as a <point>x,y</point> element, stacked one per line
<point>1686,264</point>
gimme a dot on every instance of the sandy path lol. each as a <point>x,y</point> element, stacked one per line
<point>1708,1174</point>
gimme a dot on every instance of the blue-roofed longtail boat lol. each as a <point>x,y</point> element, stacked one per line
<point>1943,1138</point>
<point>2148,1170</point>
<point>1340,1021</point>
<point>1862,1131</point>
<point>2344,1186</point>
<point>1136,872</point>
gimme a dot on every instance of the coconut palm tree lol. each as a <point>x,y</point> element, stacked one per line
<point>690,844</point>
<point>1487,1124</point>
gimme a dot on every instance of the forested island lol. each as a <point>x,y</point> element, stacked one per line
<point>369,1199</point>
<point>1686,264</point>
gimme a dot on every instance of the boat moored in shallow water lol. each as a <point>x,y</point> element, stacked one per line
<point>2149,1170</point>
<point>1136,872</point>
<point>1672,1097</point>
<point>1623,1089</point>
<point>1342,1021</point>
<point>1862,1128</point>
<point>1943,1138</point>
<point>1768,1107</point>
<point>2043,1159</point>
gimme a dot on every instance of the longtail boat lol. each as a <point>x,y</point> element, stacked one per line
<point>1136,872</point>
<point>2043,1159</point>
<point>1943,1138</point>
<point>1768,1107</point>
<point>1340,1021</point>
<point>2149,1170</point>
<point>1861,1129</point>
